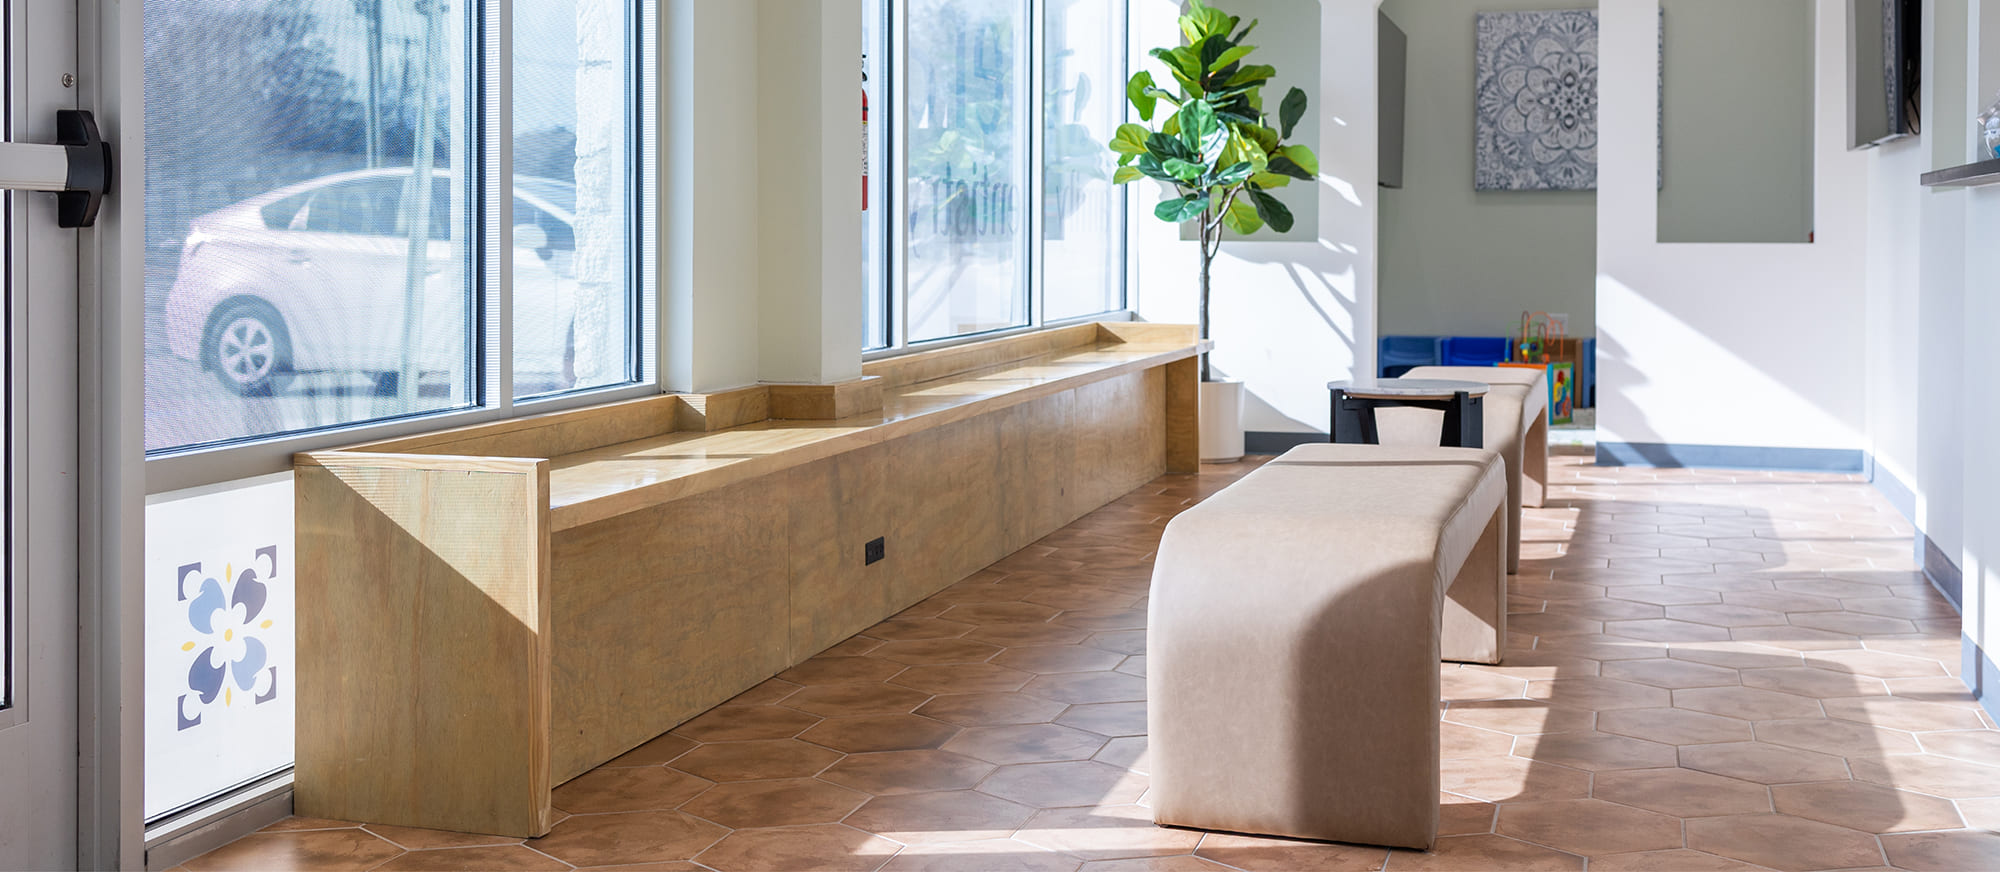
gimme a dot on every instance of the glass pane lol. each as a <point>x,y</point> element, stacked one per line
<point>965,130</point>
<point>219,640</point>
<point>574,191</point>
<point>1083,214</point>
<point>296,278</point>
<point>874,284</point>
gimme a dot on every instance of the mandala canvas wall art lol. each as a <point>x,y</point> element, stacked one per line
<point>1536,101</point>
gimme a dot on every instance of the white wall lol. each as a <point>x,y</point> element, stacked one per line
<point>1287,316</point>
<point>1733,345</point>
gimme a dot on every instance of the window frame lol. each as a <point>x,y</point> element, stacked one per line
<point>489,82</point>
<point>890,278</point>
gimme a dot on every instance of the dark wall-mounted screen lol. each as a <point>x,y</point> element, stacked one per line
<point>1884,64</point>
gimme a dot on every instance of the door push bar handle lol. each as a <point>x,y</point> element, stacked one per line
<point>89,177</point>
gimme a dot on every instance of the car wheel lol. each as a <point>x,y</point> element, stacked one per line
<point>249,350</point>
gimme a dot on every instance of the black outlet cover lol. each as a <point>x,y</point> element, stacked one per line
<point>873,552</point>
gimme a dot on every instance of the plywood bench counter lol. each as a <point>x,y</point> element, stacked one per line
<point>488,611</point>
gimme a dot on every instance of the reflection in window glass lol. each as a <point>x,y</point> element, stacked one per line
<point>966,149</point>
<point>296,277</point>
<point>1083,214</point>
<point>874,109</point>
<point>573,118</point>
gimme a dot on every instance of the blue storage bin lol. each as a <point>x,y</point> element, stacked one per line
<point>1474,350</point>
<point>1396,355</point>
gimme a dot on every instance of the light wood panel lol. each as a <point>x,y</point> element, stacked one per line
<point>926,366</point>
<point>827,402</point>
<point>662,614</point>
<point>1183,427</point>
<point>486,627</point>
<point>423,677</point>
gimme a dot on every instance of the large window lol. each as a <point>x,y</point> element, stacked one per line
<point>361,217</point>
<point>1002,213</point>
<point>364,210</point>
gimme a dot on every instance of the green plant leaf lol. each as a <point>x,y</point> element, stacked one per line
<point>1186,171</point>
<point>1202,132</point>
<point>1229,57</point>
<point>1185,208</point>
<point>1125,175</point>
<point>1163,146</point>
<point>1285,166</point>
<point>1291,110</point>
<point>1268,180</point>
<point>1150,166</point>
<point>1201,22</point>
<point>1251,73</point>
<point>1273,212</point>
<point>1235,174</point>
<point>1245,32</point>
<point>1140,92</point>
<point>1265,138</point>
<point>1242,218</point>
<point>1303,158</point>
<point>1130,139</point>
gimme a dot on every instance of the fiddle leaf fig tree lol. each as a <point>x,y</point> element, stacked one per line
<point>1214,148</point>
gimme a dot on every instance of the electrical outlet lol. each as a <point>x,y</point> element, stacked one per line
<point>872,552</point>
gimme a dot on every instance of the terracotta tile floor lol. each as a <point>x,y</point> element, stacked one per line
<point>1708,670</point>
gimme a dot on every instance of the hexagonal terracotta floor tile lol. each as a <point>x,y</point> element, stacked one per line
<point>1836,737</point>
<point>1674,726</point>
<point>936,651</point>
<point>992,709</point>
<point>1026,743</point>
<point>1938,776</point>
<point>1666,630</point>
<point>635,837</point>
<point>866,733</point>
<point>756,761</point>
<point>1112,832</point>
<point>1592,751</point>
<point>1053,659</point>
<point>1509,778</point>
<point>656,752</point>
<point>1679,860</point>
<point>1763,763</point>
<point>1588,826</point>
<point>828,847</point>
<point>1783,842</point>
<point>1259,854</point>
<point>1944,852</point>
<point>1723,615</point>
<point>1059,785</point>
<point>628,789</point>
<point>1122,641</point>
<point>1599,693</point>
<point>1521,717</point>
<point>1747,703</point>
<point>313,849</point>
<point>963,678</point>
<point>1978,746</point>
<point>982,856</point>
<point>1814,682</point>
<point>1022,635</point>
<point>1077,688</point>
<point>841,670</point>
<point>1458,684</point>
<point>1898,713</point>
<point>1682,792</point>
<point>1458,740</point>
<point>950,816</point>
<point>785,803</point>
<point>1459,853</point>
<point>835,700</point>
<point>745,723</point>
<point>896,772</point>
<point>1098,620</point>
<point>1107,718</point>
<point>1670,673</point>
<point>1870,808</point>
<point>496,858</point>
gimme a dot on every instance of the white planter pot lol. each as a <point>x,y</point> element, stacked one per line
<point>1221,421</point>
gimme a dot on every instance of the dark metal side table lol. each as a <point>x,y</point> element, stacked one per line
<point>1463,404</point>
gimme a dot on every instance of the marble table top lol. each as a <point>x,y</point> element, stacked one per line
<point>1404,388</point>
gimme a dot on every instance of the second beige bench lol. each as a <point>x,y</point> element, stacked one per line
<point>1517,426</point>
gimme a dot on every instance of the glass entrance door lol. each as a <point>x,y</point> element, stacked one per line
<point>38,388</point>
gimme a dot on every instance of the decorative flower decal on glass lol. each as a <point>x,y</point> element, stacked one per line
<point>1537,101</point>
<point>227,616</point>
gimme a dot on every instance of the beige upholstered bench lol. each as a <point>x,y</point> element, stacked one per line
<point>1517,426</point>
<point>1295,627</point>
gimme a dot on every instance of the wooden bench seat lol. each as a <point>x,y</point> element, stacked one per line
<point>486,612</point>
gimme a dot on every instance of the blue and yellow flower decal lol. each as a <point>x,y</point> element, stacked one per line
<point>227,615</point>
